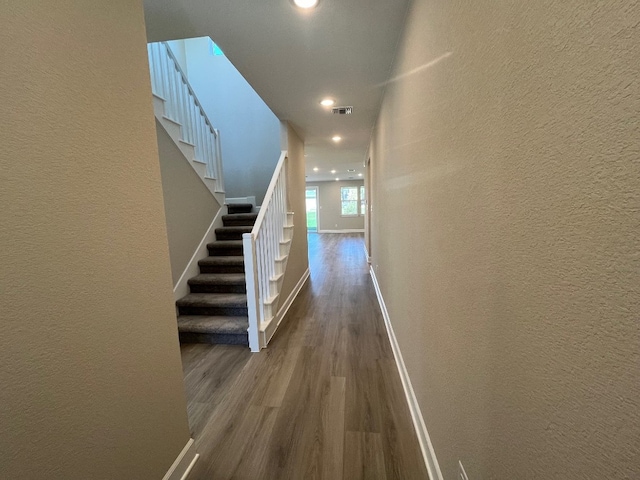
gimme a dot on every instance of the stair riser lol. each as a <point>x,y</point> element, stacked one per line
<point>238,222</point>
<point>216,251</point>
<point>228,311</point>
<point>213,338</point>
<point>239,208</point>
<point>221,268</point>
<point>218,288</point>
<point>228,235</point>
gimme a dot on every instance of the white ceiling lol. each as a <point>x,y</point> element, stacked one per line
<point>294,58</point>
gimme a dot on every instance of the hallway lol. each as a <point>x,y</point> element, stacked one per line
<point>323,401</point>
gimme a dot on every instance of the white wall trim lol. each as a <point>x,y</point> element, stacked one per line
<point>183,463</point>
<point>236,200</point>
<point>273,325</point>
<point>346,230</point>
<point>181,288</point>
<point>424,440</point>
<point>174,130</point>
<point>366,254</point>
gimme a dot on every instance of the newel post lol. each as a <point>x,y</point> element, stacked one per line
<point>251,279</point>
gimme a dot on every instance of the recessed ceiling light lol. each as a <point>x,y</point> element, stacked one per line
<point>328,102</point>
<point>333,171</point>
<point>315,169</point>
<point>306,3</point>
<point>359,174</point>
<point>337,179</point>
<point>336,138</point>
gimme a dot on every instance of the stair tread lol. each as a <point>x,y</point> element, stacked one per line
<point>213,300</point>
<point>213,324</point>
<point>218,279</point>
<point>222,260</point>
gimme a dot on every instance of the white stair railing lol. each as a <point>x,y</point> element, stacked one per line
<point>266,251</point>
<point>169,82</point>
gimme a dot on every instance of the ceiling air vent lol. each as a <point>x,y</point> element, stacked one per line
<point>342,110</point>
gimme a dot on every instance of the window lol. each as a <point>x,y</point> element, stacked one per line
<point>349,197</point>
<point>353,201</point>
<point>214,50</point>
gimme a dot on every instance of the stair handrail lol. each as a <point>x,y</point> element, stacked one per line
<point>169,82</point>
<point>269,195</point>
<point>262,253</point>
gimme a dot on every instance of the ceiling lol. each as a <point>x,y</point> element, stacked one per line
<point>294,58</point>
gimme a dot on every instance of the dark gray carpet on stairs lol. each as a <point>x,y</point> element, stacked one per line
<point>216,309</point>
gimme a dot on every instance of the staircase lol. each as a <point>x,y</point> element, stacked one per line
<point>216,309</point>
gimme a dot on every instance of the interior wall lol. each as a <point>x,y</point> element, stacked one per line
<point>330,206</point>
<point>298,261</point>
<point>179,51</point>
<point>506,154</point>
<point>91,374</point>
<point>188,204</point>
<point>249,131</point>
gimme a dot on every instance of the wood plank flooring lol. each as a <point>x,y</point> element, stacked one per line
<point>323,401</point>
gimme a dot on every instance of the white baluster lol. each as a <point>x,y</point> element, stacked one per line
<point>210,152</point>
<point>192,114</point>
<point>203,150</point>
<point>214,156</point>
<point>151,72</point>
<point>219,172</point>
<point>187,115</point>
<point>182,107</point>
<point>177,81</point>
<point>161,77</point>
<point>162,66</point>
<point>172,90</point>
<point>171,78</point>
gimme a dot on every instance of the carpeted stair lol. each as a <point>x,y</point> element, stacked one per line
<point>216,309</point>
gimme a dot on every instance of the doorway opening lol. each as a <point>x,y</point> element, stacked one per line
<point>311,198</point>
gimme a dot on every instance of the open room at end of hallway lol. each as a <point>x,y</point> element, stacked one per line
<point>336,206</point>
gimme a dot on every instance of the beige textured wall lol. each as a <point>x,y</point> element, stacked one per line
<point>507,230</point>
<point>330,206</point>
<point>298,261</point>
<point>188,204</point>
<point>90,365</point>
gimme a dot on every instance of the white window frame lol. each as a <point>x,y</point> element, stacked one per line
<point>359,199</point>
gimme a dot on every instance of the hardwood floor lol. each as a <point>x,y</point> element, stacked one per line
<point>323,401</point>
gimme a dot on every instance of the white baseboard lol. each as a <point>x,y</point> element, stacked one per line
<point>366,254</point>
<point>347,230</point>
<point>184,463</point>
<point>424,440</point>
<point>192,269</point>
<point>273,325</point>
